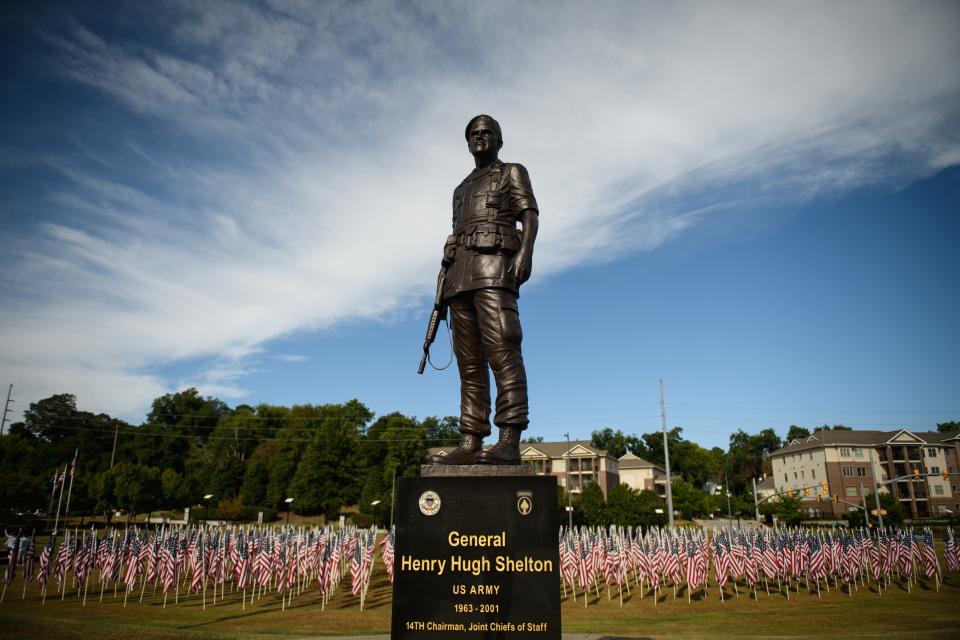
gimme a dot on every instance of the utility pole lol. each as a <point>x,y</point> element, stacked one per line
<point>393,495</point>
<point>876,487</point>
<point>114,452</point>
<point>6,409</point>
<point>756,505</point>
<point>866,513</point>
<point>726,490</point>
<point>666,456</point>
<point>569,504</point>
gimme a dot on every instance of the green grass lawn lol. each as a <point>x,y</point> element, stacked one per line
<point>895,614</point>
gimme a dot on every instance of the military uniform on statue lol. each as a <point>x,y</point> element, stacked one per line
<point>487,259</point>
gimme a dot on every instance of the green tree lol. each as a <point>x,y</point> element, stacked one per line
<point>173,490</point>
<point>788,510</point>
<point>617,443</point>
<point>796,433</point>
<point>592,505</point>
<point>253,491</point>
<point>891,505</point>
<point>176,425</point>
<point>746,456</point>
<point>442,432</point>
<point>130,487</point>
<point>647,503</point>
<point>691,501</point>
<point>836,427</point>
<point>326,477</point>
<point>394,444</point>
<point>945,427</point>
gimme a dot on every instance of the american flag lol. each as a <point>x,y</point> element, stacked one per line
<point>930,562</point>
<point>85,558</point>
<point>356,570</point>
<point>168,565</point>
<point>817,558</point>
<point>133,564</point>
<point>45,556</point>
<point>28,563</point>
<point>63,558</point>
<point>611,562</point>
<point>242,565</point>
<point>387,554</point>
<point>11,562</point>
<point>750,564</point>
<point>951,552</point>
<point>692,566</point>
<point>720,560</point>
<point>199,565</point>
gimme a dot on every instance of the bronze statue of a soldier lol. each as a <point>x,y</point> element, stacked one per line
<point>486,259</point>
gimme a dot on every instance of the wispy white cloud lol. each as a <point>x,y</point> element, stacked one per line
<point>331,141</point>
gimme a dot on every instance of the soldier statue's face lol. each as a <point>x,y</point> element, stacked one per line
<point>482,139</point>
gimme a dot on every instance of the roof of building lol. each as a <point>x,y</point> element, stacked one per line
<point>559,449</point>
<point>548,449</point>
<point>766,484</point>
<point>630,461</point>
<point>860,438</point>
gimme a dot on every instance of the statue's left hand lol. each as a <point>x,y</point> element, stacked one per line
<point>522,266</point>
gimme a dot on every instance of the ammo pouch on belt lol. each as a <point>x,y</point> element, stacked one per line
<point>450,250</point>
<point>491,238</point>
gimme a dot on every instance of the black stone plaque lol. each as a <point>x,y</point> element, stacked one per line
<point>477,558</point>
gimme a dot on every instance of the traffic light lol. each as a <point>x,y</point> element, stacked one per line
<point>836,497</point>
<point>916,473</point>
<point>826,488</point>
<point>945,474</point>
<point>819,498</point>
<point>789,493</point>
<point>806,491</point>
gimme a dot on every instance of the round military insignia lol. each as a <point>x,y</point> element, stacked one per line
<point>524,502</point>
<point>429,503</point>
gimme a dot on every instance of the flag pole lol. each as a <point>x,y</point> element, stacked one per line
<point>60,501</point>
<point>73,469</point>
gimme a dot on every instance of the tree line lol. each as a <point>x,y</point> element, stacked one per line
<point>325,457</point>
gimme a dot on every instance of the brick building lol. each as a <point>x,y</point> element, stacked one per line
<point>848,460</point>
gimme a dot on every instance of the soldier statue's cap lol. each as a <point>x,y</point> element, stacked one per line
<point>493,124</point>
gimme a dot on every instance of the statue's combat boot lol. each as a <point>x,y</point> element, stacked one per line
<point>466,453</point>
<point>506,451</point>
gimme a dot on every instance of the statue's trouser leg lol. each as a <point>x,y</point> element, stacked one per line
<point>486,328</point>
<point>474,377</point>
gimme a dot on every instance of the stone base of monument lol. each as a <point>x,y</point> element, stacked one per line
<point>476,555</point>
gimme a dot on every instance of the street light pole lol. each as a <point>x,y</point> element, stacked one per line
<point>726,489</point>
<point>756,505</point>
<point>393,495</point>
<point>876,487</point>
<point>666,456</point>
<point>569,504</point>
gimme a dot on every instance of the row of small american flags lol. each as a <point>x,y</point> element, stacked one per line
<point>204,561</point>
<point>654,559</point>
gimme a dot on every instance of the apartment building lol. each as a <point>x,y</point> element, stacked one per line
<point>577,463</point>
<point>639,474</point>
<point>848,464</point>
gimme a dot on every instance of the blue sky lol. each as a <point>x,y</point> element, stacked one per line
<point>755,202</point>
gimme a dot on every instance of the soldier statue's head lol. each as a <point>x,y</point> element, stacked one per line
<point>484,138</point>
